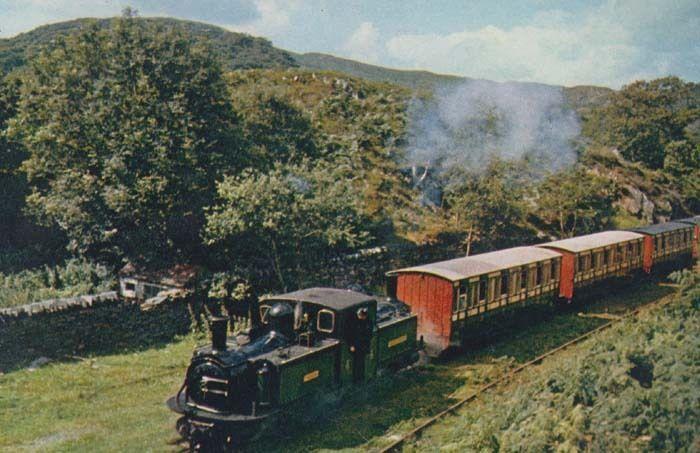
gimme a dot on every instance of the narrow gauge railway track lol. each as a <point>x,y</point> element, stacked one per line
<point>416,432</point>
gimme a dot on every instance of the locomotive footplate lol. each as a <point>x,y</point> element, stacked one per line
<point>178,405</point>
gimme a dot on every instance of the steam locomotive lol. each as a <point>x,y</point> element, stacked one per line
<point>307,343</point>
<point>318,341</point>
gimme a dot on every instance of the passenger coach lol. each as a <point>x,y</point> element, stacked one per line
<point>669,245</point>
<point>595,257</point>
<point>448,295</point>
<point>695,223</point>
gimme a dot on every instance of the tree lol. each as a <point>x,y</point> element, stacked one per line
<point>287,221</point>
<point>13,183</point>
<point>276,131</point>
<point>488,208</point>
<point>127,129</point>
<point>683,163</point>
<point>576,201</point>
<point>645,116</point>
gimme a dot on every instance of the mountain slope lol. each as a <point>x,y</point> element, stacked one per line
<point>238,50</point>
<point>406,78</point>
<point>242,51</point>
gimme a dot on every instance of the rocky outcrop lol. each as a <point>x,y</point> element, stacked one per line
<point>637,203</point>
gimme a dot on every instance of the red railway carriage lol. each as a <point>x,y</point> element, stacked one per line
<point>671,244</point>
<point>593,257</point>
<point>447,295</point>
<point>695,223</point>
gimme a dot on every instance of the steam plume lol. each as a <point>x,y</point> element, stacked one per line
<point>466,125</point>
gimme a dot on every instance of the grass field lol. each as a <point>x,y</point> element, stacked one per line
<point>116,402</point>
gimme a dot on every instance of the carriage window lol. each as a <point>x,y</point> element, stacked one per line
<point>263,313</point>
<point>523,279</point>
<point>130,286</point>
<point>547,272</point>
<point>538,275</point>
<point>581,263</point>
<point>482,290</point>
<point>504,283</point>
<point>555,269</point>
<point>325,322</point>
<point>463,295</point>
<point>473,288</point>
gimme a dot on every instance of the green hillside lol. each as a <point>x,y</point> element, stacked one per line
<point>238,50</point>
<point>242,51</point>
<point>406,78</point>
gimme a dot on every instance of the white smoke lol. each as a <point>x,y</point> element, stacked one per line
<point>467,125</point>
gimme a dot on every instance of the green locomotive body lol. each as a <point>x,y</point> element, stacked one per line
<point>308,343</point>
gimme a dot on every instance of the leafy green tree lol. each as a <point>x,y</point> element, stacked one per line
<point>683,163</point>
<point>287,221</point>
<point>276,131</point>
<point>644,117</point>
<point>576,202</point>
<point>488,208</point>
<point>127,129</point>
<point>13,182</point>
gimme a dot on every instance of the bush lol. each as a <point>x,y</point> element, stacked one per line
<point>73,278</point>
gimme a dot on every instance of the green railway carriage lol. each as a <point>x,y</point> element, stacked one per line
<point>312,342</point>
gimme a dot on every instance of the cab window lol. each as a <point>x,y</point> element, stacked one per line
<point>263,313</point>
<point>325,321</point>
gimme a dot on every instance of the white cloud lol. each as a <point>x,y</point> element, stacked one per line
<point>611,45</point>
<point>363,44</point>
<point>275,18</point>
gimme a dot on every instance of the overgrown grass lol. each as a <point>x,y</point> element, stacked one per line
<point>74,277</point>
<point>632,388</point>
<point>115,402</point>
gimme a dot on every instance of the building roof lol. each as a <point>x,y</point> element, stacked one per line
<point>592,241</point>
<point>661,228</point>
<point>692,220</point>
<point>484,263</point>
<point>337,299</point>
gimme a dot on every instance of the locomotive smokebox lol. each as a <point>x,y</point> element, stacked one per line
<point>219,327</point>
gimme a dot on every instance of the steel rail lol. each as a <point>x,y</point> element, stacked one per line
<point>507,376</point>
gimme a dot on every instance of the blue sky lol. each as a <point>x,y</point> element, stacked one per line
<point>604,42</point>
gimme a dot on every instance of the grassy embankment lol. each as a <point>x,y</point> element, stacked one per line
<point>631,388</point>
<point>115,402</point>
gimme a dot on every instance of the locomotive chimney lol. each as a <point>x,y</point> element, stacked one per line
<point>219,327</point>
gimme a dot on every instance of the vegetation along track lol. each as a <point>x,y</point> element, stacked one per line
<point>508,375</point>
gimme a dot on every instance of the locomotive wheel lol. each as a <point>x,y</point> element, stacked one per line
<point>211,440</point>
<point>182,426</point>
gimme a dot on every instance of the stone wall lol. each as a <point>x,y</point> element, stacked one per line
<point>368,267</point>
<point>83,326</point>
